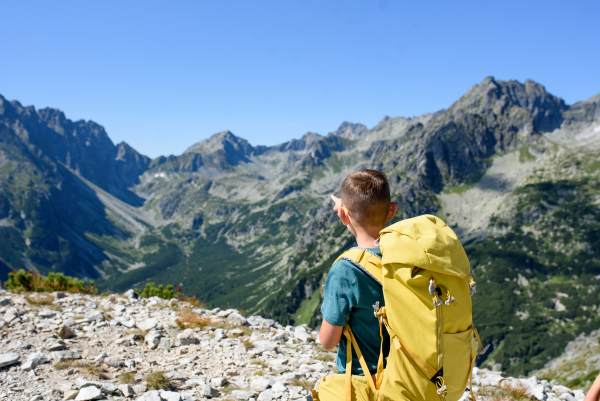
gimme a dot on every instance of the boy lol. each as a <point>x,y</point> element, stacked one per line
<point>365,208</point>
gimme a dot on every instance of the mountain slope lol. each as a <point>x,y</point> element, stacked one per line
<point>509,166</point>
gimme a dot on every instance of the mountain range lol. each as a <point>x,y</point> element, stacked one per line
<point>510,167</point>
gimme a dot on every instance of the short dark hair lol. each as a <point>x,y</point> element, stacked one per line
<point>366,194</point>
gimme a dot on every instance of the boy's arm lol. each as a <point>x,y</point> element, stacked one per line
<point>330,335</point>
<point>592,395</point>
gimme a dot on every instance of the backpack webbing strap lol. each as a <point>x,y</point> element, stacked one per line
<point>480,348</point>
<point>425,367</point>
<point>351,341</point>
<point>364,260</point>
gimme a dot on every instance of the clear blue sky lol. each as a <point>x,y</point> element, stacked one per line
<point>163,75</point>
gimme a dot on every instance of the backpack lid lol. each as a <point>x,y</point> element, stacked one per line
<point>425,242</point>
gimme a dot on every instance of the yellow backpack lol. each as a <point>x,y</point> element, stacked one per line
<point>427,287</point>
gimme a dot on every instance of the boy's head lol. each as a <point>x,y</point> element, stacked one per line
<point>366,195</point>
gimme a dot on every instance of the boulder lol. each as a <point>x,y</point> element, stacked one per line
<point>9,359</point>
<point>266,395</point>
<point>62,356</point>
<point>209,392</point>
<point>114,362</point>
<point>81,382</point>
<point>236,318</point>
<point>94,316</point>
<point>108,388</point>
<point>89,393</point>
<point>260,384</point>
<point>147,324</point>
<point>166,343</point>
<point>126,390</point>
<point>18,345</point>
<point>301,334</point>
<point>242,394</point>
<point>188,337</point>
<point>47,314</point>
<point>169,395</point>
<point>153,395</point>
<point>131,294</point>
<point>34,360</point>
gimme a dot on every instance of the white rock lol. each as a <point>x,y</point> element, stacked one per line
<point>169,395</point>
<point>567,397</point>
<point>537,391</point>
<point>70,394</point>
<point>266,395</point>
<point>34,360</point>
<point>218,381</point>
<point>61,356</point>
<point>108,388</point>
<point>126,390</point>
<point>114,362</point>
<point>140,388</point>
<point>166,343</point>
<point>94,315</point>
<point>150,396</point>
<point>209,392</point>
<point>153,339</point>
<point>131,294</point>
<point>147,324</point>
<point>301,334</point>
<point>89,393</point>
<point>559,390</point>
<point>260,384</point>
<point>242,394</point>
<point>264,345</point>
<point>47,314</point>
<point>82,382</point>
<point>10,315</point>
<point>278,387</point>
<point>19,345</point>
<point>236,318</point>
<point>9,359</point>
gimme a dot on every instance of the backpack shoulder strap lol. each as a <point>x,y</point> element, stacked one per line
<point>365,260</point>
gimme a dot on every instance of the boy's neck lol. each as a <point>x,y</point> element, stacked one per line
<point>365,238</point>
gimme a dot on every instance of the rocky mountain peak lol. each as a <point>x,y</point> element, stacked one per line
<point>501,97</point>
<point>350,131</point>
<point>233,147</point>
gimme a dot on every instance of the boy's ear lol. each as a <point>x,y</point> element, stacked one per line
<point>343,215</point>
<point>393,210</point>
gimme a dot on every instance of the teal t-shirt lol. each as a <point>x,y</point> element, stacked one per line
<point>349,298</point>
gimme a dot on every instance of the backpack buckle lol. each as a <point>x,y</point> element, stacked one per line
<point>376,308</point>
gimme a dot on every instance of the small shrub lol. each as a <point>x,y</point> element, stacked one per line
<point>158,381</point>
<point>188,319</point>
<point>19,281</point>
<point>325,358</point>
<point>151,291</point>
<point>247,344</point>
<point>305,384</point>
<point>260,363</point>
<point>127,378</point>
<point>259,373</point>
<point>94,371</point>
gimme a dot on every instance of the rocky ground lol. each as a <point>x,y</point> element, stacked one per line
<point>81,347</point>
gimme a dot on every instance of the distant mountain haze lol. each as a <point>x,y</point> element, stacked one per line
<point>510,167</point>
